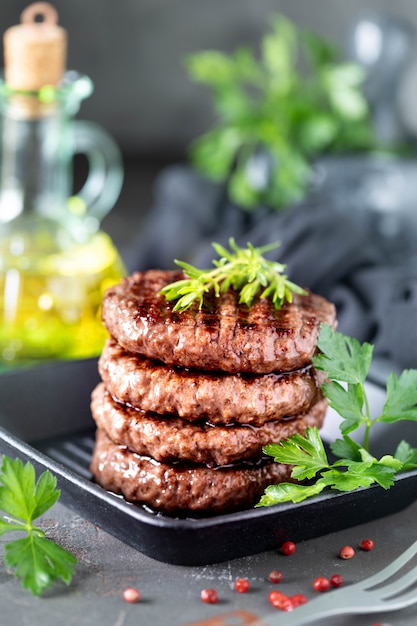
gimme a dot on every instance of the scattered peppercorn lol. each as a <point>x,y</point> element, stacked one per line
<point>347,552</point>
<point>298,599</point>
<point>275,598</point>
<point>286,604</point>
<point>321,584</point>
<point>131,595</point>
<point>209,596</point>
<point>242,585</point>
<point>336,580</point>
<point>280,601</point>
<point>367,545</point>
<point>288,548</point>
<point>275,576</point>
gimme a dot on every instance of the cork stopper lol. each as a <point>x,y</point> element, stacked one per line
<point>35,50</point>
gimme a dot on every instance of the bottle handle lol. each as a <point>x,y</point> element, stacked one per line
<point>104,180</point>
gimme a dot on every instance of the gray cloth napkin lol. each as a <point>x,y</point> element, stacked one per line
<point>329,251</point>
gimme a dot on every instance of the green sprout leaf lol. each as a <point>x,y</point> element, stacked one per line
<point>243,269</point>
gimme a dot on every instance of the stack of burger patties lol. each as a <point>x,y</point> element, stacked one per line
<point>187,400</point>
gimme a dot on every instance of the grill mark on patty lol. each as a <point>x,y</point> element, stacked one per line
<point>257,339</point>
<point>207,461</point>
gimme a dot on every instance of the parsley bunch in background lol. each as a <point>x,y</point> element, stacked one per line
<point>346,363</point>
<point>275,118</point>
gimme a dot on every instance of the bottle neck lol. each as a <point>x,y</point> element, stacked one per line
<point>35,160</point>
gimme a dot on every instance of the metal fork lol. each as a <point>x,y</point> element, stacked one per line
<point>378,593</point>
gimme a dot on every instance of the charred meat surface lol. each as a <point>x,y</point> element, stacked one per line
<point>188,399</point>
<point>180,488</point>
<point>197,394</point>
<point>171,438</point>
<point>224,335</point>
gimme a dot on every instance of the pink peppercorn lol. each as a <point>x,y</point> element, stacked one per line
<point>209,596</point>
<point>367,545</point>
<point>298,599</point>
<point>321,584</point>
<point>336,580</point>
<point>287,604</point>
<point>347,552</point>
<point>288,548</point>
<point>131,595</point>
<point>275,598</point>
<point>242,585</point>
<point>280,601</point>
<point>275,576</point>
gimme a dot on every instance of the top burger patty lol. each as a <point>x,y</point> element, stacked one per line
<point>223,335</point>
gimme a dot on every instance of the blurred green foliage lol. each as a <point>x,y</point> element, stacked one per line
<point>277,113</point>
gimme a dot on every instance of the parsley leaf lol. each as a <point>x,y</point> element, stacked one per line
<point>306,454</point>
<point>348,403</point>
<point>407,455</point>
<point>342,358</point>
<point>290,492</point>
<point>346,448</point>
<point>343,475</point>
<point>401,402</point>
<point>37,561</point>
<point>346,363</point>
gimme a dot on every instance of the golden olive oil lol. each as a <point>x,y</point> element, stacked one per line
<point>50,305</point>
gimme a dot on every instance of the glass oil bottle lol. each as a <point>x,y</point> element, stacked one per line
<point>55,261</point>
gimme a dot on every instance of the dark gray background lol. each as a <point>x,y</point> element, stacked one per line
<point>134,50</point>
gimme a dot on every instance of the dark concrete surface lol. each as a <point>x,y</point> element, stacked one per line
<point>170,595</point>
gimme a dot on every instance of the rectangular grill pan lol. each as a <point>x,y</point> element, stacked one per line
<point>45,418</point>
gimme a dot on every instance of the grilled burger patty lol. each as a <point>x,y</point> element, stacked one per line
<point>224,335</point>
<point>178,488</point>
<point>195,394</point>
<point>171,438</point>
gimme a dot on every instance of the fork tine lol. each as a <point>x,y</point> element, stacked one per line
<point>401,601</point>
<point>402,583</point>
<point>390,569</point>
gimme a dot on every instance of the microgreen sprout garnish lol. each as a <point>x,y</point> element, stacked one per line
<point>346,363</point>
<point>37,561</point>
<point>243,269</point>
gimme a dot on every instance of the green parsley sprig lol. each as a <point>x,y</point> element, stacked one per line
<point>243,269</point>
<point>346,363</point>
<point>37,561</point>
